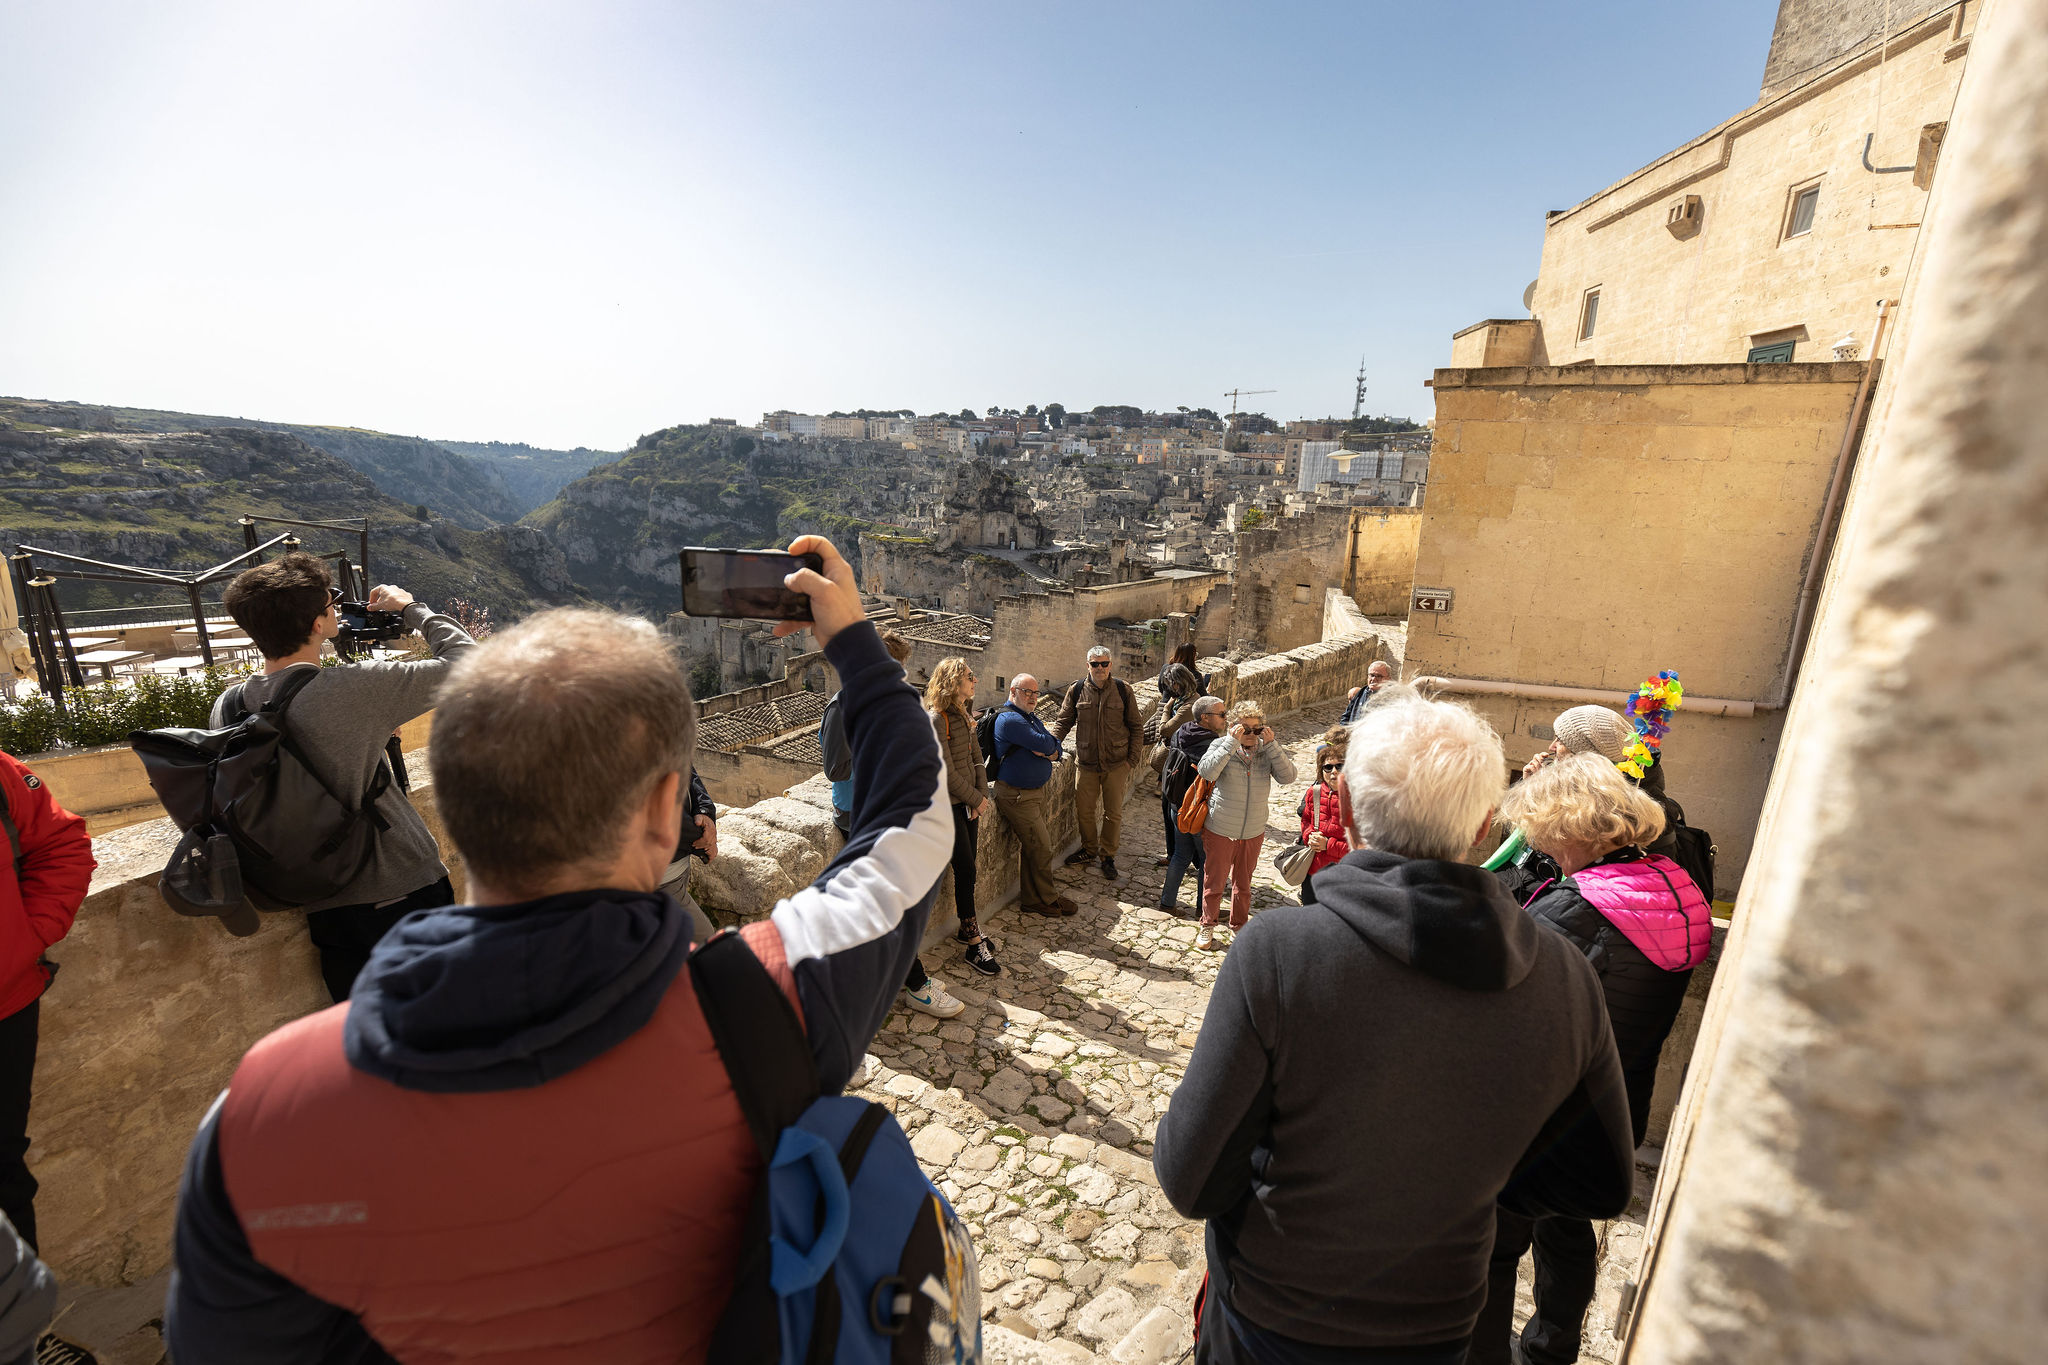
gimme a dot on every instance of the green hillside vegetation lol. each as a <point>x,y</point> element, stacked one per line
<point>171,499</point>
<point>530,474</point>
<point>620,525</point>
<point>414,471</point>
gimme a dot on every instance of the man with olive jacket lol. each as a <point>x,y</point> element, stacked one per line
<point>1109,735</point>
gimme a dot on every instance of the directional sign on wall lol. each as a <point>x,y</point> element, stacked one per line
<point>1430,599</point>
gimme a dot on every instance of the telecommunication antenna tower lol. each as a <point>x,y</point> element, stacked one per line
<point>1358,397</point>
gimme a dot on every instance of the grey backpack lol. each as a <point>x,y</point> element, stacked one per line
<point>264,828</point>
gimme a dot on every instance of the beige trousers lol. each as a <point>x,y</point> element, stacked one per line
<point>1103,791</point>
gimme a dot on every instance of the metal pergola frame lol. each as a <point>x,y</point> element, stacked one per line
<point>42,617</point>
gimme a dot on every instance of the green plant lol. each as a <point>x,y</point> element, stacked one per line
<point>106,714</point>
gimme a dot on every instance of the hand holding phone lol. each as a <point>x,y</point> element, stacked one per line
<point>834,594</point>
<point>748,584</point>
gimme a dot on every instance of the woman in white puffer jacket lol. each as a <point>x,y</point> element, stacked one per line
<point>1242,763</point>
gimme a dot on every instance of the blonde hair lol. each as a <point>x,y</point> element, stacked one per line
<point>1582,799</point>
<point>1247,707</point>
<point>942,693</point>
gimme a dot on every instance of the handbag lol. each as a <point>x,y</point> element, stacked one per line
<point>1194,807</point>
<point>1292,862</point>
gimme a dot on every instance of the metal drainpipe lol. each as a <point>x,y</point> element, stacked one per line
<point>1711,706</point>
<point>1823,541</point>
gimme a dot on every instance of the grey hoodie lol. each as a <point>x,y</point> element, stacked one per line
<point>1373,1072</point>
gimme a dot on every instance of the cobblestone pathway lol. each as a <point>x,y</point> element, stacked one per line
<point>1035,1109</point>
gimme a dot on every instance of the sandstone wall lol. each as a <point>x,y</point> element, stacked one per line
<point>1048,634</point>
<point>751,774</point>
<point>1856,1170</point>
<point>1598,524</point>
<point>1381,567</point>
<point>1283,570</point>
<point>1740,281</point>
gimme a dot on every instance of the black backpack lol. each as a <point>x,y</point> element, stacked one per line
<point>1177,775</point>
<point>263,826</point>
<point>1695,851</point>
<point>985,736</point>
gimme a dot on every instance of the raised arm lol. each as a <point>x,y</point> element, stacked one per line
<point>849,937</point>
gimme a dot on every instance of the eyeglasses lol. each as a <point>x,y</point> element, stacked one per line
<point>1027,691</point>
<point>335,597</point>
<point>1099,663</point>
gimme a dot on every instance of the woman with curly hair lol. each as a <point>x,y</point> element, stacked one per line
<point>948,697</point>
<point>1643,924</point>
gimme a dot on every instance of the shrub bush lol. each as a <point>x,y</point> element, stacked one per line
<point>105,714</point>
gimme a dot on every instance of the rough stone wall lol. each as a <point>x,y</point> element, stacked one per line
<point>748,775</point>
<point>1857,1173</point>
<point>954,580</point>
<point>1599,524</point>
<point>1283,570</point>
<point>1739,280</point>
<point>1812,35</point>
<point>1048,634</point>
<point>1381,567</point>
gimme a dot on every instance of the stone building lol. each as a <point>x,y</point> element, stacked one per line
<point>1771,236</point>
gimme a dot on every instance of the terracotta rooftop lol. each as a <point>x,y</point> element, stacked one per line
<point>751,724</point>
<point>946,628</point>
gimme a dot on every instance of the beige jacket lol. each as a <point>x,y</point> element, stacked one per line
<point>964,773</point>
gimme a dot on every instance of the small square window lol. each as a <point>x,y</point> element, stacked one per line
<point>1589,314</point>
<point>1304,593</point>
<point>1803,205</point>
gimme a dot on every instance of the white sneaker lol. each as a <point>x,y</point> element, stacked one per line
<point>933,1000</point>
<point>1206,940</point>
<point>863,1073</point>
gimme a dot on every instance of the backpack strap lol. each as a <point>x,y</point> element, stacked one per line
<point>295,681</point>
<point>768,1060</point>
<point>759,1038</point>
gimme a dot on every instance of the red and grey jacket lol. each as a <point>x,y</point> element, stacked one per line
<point>516,1142</point>
<point>48,870</point>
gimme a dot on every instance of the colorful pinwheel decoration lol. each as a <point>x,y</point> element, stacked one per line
<point>1649,710</point>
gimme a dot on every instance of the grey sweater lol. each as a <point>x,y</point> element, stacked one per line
<point>342,719</point>
<point>1373,1072</point>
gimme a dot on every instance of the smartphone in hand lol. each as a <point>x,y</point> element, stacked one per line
<point>745,583</point>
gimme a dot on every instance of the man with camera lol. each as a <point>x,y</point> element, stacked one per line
<point>343,720</point>
<point>518,1139</point>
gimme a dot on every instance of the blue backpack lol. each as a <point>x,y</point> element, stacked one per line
<point>849,1256</point>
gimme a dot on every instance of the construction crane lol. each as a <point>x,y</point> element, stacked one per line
<point>1234,394</point>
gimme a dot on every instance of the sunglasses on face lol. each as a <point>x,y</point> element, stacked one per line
<point>1333,767</point>
<point>335,597</point>
<point>1099,663</point>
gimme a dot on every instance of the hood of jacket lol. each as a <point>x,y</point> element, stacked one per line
<point>1452,921</point>
<point>498,997</point>
<point>1655,906</point>
<point>1193,738</point>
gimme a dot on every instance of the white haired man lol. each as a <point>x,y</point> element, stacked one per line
<point>1374,1072</point>
<point>1101,712</point>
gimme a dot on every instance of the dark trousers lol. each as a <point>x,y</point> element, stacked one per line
<point>1567,1256</point>
<point>1224,1337</point>
<point>915,981</point>
<point>966,849</point>
<point>17,1078</point>
<point>345,934</point>
<point>1308,889</point>
<point>1184,850</point>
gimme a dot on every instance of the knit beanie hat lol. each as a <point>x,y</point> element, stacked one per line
<point>1595,730</point>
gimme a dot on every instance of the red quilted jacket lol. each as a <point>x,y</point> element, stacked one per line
<point>37,902</point>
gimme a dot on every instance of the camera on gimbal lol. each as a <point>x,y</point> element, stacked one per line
<point>360,625</point>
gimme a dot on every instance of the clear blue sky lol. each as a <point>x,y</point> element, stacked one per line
<point>573,223</point>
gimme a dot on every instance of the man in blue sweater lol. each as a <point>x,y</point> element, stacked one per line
<point>1027,752</point>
